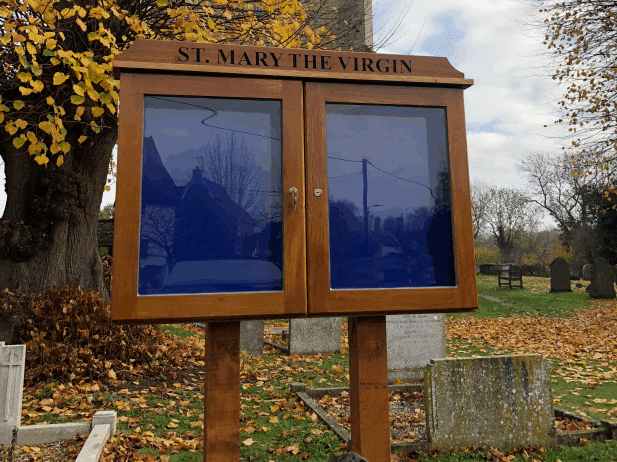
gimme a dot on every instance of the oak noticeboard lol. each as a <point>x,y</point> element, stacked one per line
<point>263,182</point>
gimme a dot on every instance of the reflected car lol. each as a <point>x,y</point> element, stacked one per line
<point>222,276</point>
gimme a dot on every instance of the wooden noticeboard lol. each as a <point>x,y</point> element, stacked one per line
<point>261,182</point>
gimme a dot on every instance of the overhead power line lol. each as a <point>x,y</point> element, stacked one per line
<point>400,178</point>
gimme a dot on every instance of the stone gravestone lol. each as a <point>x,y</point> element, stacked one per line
<point>252,337</point>
<point>601,280</point>
<point>316,335</point>
<point>560,276</point>
<point>586,272</point>
<point>413,340</point>
<point>496,401</point>
<point>12,365</point>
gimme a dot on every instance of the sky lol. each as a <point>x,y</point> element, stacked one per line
<point>512,96</point>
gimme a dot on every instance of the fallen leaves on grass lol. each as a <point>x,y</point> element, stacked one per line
<point>124,448</point>
<point>62,451</point>
<point>586,334</point>
<point>566,424</point>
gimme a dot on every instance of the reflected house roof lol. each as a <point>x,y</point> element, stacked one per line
<point>157,187</point>
<point>219,195</point>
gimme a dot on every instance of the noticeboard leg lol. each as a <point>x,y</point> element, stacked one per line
<point>222,392</point>
<point>368,381</point>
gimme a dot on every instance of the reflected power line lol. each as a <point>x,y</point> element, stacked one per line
<point>214,113</point>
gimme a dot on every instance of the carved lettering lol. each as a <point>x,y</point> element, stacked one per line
<point>222,56</point>
<point>366,65</point>
<point>378,64</point>
<point>344,63</point>
<point>325,62</point>
<point>404,64</point>
<point>295,58</point>
<point>260,57</point>
<point>276,60</point>
<point>309,61</point>
<point>184,52</point>
<point>245,58</point>
<point>198,54</point>
<point>313,61</point>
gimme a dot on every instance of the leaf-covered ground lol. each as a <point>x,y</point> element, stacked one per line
<point>161,416</point>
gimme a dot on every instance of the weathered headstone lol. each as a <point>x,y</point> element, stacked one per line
<point>252,337</point>
<point>413,340</point>
<point>601,280</point>
<point>316,335</point>
<point>560,276</point>
<point>586,272</point>
<point>12,365</point>
<point>497,401</point>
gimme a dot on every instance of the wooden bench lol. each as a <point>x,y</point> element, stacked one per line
<point>509,274</point>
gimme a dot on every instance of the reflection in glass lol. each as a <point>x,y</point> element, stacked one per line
<point>211,216</point>
<point>390,206</point>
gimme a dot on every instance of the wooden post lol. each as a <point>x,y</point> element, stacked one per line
<point>368,382</point>
<point>222,392</point>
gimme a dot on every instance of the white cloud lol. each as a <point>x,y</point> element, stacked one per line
<point>509,103</point>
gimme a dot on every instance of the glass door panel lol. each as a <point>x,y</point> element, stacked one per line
<point>389,199</point>
<point>211,205</point>
<point>386,173</point>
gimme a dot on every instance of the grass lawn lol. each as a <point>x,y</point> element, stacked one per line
<point>162,418</point>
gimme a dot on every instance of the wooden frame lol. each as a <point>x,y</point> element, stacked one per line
<point>323,300</point>
<point>159,68</point>
<point>127,305</point>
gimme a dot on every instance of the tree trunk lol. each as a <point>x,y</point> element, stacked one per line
<point>48,232</point>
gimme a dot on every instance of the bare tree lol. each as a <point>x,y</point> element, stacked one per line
<point>552,186</point>
<point>510,216</point>
<point>158,226</point>
<point>481,195</point>
<point>574,201</point>
<point>231,163</point>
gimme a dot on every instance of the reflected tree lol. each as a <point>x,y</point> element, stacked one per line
<point>231,163</point>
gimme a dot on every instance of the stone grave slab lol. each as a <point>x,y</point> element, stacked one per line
<point>315,335</point>
<point>601,280</point>
<point>252,337</point>
<point>12,365</point>
<point>413,340</point>
<point>497,401</point>
<point>560,276</point>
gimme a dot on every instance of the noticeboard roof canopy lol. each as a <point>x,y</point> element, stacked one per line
<point>188,57</point>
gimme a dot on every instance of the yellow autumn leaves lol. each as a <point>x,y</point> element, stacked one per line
<point>55,82</point>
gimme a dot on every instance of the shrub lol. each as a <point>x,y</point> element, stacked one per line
<point>69,335</point>
<point>486,255</point>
